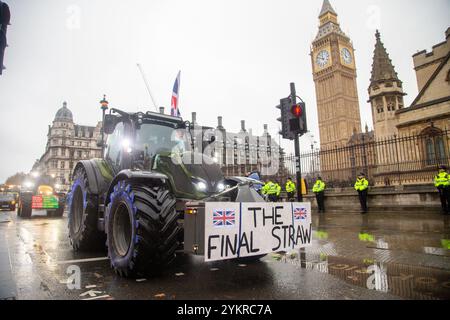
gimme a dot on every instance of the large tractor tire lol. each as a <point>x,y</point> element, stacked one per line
<point>58,213</point>
<point>142,228</point>
<point>83,216</point>
<point>25,206</point>
<point>55,213</point>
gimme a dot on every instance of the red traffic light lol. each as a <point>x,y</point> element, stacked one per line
<point>297,110</point>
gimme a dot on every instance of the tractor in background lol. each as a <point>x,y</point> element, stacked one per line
<point>39,192</point>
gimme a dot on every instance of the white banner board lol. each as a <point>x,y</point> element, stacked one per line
<point>234,230</point>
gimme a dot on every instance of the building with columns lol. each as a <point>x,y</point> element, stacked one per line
<point>67,143</point>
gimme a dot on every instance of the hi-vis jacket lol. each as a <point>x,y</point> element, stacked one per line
<point>290,186</point>
<point>361,184</point>
<point>278,189</point>
<point>442,179</point>
<point>270,188</point>
<point>319,186</point>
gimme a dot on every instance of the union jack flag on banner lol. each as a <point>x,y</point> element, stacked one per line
<point>224,218</point>
<point>174,110</point>
<point>300,213</point>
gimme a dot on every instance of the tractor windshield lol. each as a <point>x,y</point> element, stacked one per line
<point>152,139</point>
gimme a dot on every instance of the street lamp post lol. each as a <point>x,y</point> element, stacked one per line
<point>104,106</point>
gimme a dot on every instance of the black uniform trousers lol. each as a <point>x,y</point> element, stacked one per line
<point>444,195</point>
<point>291,196</point>
<point>363,200</point>
<point>320,198</point>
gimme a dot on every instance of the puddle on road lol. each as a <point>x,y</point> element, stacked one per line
<point>411,282</point>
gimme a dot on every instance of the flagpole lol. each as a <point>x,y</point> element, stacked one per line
<point>179,89</point>
<point>148,87</point>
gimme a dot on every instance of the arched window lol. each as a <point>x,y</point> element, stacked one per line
<point>440,150</point>
<point>431,155</point>
<point>434,146</point>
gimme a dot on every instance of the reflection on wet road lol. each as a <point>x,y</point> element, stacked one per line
<point>406,255</point>
<point>376,256</point>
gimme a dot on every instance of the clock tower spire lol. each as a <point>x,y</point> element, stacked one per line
<point>334,74</point>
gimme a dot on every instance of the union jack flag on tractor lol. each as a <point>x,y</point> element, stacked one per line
<point>300,213</point>
<point>224,218</point>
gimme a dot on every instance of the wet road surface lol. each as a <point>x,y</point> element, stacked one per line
<point>374,256</point>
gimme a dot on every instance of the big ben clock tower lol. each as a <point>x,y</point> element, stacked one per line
<point>334,74</point>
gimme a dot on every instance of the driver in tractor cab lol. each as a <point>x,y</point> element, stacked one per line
<point>179,139</point>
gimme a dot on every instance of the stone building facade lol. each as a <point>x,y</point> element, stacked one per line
<point>411,142</point>
<point>430,110</point>
<point>67,143</point>
<point>242,152</point>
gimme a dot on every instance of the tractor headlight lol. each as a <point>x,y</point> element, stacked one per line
<point>220,186</point>
<point>29,184</point>
<point>201,186</point>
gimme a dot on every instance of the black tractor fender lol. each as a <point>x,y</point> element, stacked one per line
<point>97,183</point>
<point>154,177</point>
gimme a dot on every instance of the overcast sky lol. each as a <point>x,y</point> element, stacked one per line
<point>237,58</point>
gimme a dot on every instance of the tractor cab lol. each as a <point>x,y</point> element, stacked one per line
<point>165,144</point>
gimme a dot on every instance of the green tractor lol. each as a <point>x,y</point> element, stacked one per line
<point>39,192</point>
<point>136,197</point>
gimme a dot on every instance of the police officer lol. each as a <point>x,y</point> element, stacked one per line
<point>319,190</point>
<point>270,190</point>
<point>361,186</point>
<point>442,183</point>
<point>277,191</point>
<point>290,189</point>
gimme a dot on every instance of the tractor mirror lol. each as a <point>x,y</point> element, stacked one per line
<point>110,123</point>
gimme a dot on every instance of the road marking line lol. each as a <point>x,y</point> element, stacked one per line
<point>91,286</point>
<point>99,297</point>
<point>82,260</point>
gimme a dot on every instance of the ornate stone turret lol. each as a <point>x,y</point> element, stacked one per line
<point>385,92</point>
<point>382,68</point>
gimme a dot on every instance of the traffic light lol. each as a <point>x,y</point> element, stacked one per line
<point>284,106</point>
<point>293,118</point>
<point>298,122</point>
<point>5,17</point>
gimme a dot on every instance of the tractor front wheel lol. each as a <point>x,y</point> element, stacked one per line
<point>25,206</point>
<point>83,215</point>
<point>142,228</point>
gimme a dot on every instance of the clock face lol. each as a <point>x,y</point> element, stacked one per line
<point>322,58</point>
<point>346,56</point>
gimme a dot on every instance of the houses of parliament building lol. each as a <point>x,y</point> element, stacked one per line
<point>419,131</point>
